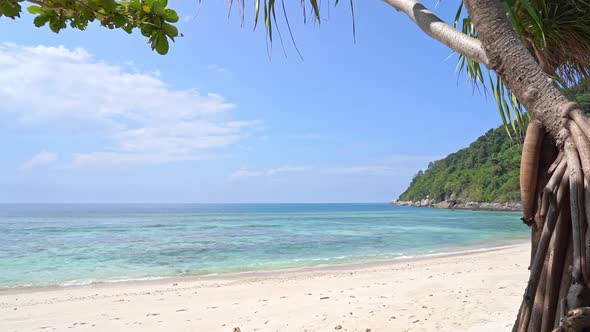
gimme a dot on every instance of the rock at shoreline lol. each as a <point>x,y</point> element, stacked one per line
<point>456,204</point>
<point>445,205</point>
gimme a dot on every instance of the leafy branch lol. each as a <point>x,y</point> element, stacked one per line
<point>151,17</point>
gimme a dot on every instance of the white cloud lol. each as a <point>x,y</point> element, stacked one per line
<point>248,173</point>
<point>40,159</point>
<point>373,170</point>
<point>217,69</point>
<point>139,116</point>
<point>395,165</point>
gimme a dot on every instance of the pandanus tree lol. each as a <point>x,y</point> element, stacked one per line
<point>533,50</point>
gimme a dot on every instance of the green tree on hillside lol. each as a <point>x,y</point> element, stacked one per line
<point>486,171</point>
<point>533,48</point>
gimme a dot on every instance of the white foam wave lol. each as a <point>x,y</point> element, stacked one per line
<point>82,282</point>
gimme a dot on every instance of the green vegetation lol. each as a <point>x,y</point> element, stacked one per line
<point>486,171</point>
<point>581,94</point>
<point>151,17</point>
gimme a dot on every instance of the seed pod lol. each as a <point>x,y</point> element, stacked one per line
<point>529,168</point>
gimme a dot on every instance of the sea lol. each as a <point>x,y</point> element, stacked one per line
<point>44,245</point>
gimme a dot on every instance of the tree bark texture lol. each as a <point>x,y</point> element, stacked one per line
<point>556,198</point>
<point>555,169</point>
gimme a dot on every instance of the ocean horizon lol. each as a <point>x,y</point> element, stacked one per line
<point>76,244</point>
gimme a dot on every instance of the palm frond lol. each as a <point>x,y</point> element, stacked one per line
<point>557,33</point>
<point>271,23</point>
<point>513,115</point>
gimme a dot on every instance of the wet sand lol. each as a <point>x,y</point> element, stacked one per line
<point>478,291</point>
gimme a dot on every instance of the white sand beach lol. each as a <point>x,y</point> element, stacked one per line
<point>467,292</point>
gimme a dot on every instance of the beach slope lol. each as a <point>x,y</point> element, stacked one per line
<point>467,292</point>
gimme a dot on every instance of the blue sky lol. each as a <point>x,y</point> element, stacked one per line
<point>96,116</point>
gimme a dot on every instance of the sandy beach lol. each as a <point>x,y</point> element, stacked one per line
<point>477,291</point>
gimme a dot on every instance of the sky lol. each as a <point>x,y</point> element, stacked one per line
<point>97,116</point>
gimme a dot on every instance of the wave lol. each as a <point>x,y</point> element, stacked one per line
<point>276,265</point>
<point>83,282</point>
<point>397,256</point>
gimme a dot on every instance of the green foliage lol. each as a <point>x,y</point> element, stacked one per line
<point>271,23</point>
<point>557,35</point>
<point>486,171</point>
<point>581,94</point>
<point>151,17</point>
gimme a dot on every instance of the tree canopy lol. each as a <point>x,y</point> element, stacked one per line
<point>486,171</point>
<point>151,17</point>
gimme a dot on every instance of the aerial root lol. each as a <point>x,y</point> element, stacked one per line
<point>583,148</point>
<point>576,320</point>
<point>566,280</point>
<point>548,162</point>
<point>536,315</point>
<point>556,204</point>
<point>554,271</point>
<point>529,167</point>
<point>576,187</point>
<point>537,264</point>
<point>571,313</point>
<point>572,111</point>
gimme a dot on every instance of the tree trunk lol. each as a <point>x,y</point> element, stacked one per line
<point>556,198</point>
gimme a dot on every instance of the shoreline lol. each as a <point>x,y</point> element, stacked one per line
<point>233,275</point>
<point>462,205</point>
<point>475,291</point>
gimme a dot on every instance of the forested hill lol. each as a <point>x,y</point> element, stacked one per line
<point>486,171</point>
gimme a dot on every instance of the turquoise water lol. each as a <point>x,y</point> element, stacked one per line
<point>45,245</point>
